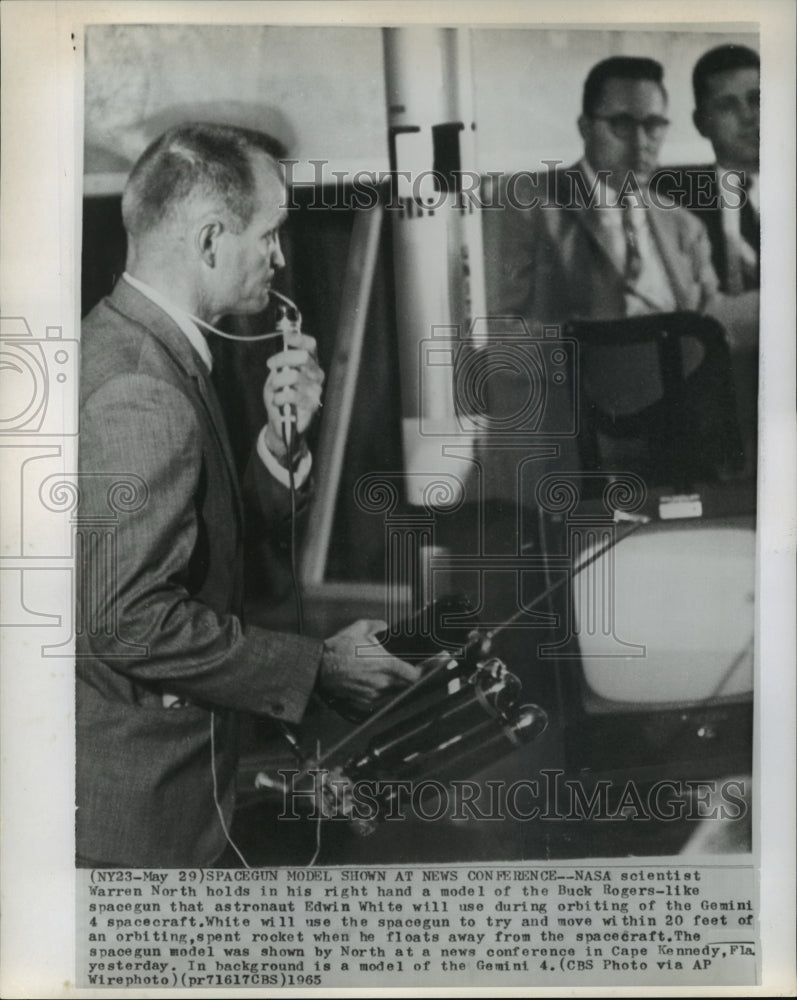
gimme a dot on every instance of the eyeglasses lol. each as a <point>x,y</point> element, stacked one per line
<point>625,126</point>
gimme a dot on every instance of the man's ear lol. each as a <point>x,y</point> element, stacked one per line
<point>583,126</point>
<point>208,241</point>
<point>699,121</point>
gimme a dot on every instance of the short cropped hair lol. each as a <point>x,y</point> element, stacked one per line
<point>619,68</point>
<point>198,158</point>
<point>719,60</point>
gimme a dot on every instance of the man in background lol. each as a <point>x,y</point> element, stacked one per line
<point>600,240</point>
<point>164,659</point>
<point>725,196</point>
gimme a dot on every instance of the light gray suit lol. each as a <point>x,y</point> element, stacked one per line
<point>551,263</point>
<point>169,598</point>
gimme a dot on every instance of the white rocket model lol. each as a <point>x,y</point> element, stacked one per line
<point>437,240</point>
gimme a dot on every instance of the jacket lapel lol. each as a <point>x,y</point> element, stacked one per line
<point>211,403</point>
<point>663,228</point>
<point>137,307</point>
<point>588,218</point>
<point>712,219</point>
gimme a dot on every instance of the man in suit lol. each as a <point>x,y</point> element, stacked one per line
<point>599,240</point>
<point>164,659</point>
<point>725,195</point>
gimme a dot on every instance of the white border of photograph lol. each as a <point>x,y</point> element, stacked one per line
<point>42,106</point>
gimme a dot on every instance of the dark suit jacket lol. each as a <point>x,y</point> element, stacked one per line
<point>697,188</point>
<point>160,571</point>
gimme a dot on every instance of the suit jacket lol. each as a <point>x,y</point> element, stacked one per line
<point>697,188</point>
<point>160,590</point>
<point>548,261</point>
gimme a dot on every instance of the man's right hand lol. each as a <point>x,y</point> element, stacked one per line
<point>362,679</point>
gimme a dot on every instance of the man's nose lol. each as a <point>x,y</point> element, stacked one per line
<point>277,259</point>
<point>640,138</point>
<point>751,111</point>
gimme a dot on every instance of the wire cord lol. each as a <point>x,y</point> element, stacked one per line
<point>250,338</point>
<point>288,441</point>
<point>219,810</point>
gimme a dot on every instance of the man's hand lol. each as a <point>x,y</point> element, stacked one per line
<point>296,379</point>
<point>361,680</point>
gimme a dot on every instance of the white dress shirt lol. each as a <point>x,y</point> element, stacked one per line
<point>200,345</point>
<point>180,317</point>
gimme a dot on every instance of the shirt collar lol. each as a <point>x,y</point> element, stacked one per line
<point>634,201</point>
<point>751,176</point>
<point>610,214</point>
<point>180,317</point>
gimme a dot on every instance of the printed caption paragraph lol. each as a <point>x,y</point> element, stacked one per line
<point>620,924</point>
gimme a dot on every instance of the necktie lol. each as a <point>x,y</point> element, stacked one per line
<point>633,258</point>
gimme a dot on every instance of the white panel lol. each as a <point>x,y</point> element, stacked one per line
<point>687,594</point>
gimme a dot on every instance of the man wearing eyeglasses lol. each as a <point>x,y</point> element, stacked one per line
<point>623,124</point>
<point>599,240</point>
